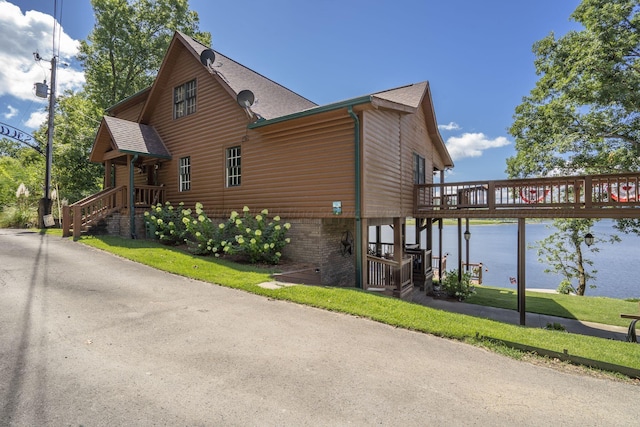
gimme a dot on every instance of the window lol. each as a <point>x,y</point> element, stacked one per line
<point>418,169</point>
<point>185,173</point>
<point>233,167</point>
<point>184,99</point>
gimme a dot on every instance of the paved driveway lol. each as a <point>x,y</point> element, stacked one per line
<point>89,339</point>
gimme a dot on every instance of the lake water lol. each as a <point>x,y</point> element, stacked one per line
<point>495,246</point>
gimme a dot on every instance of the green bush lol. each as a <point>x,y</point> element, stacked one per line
<point>566,288</point>
<point>203,236</point>
<point>256,238</point>
<point>168,224</point>
<point>457,289</point>
<point>18,217</point>
<point>22,214</point>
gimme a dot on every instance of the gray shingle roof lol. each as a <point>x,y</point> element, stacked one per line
<point>410,95</point>
<point>271,99</point>
<point>136,138</point>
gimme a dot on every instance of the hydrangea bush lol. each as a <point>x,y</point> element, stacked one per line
<point>166,223</point>
<point>257,238</point>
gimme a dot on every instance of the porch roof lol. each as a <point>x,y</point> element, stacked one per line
<point>126,137</point>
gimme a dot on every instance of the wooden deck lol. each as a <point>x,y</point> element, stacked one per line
<point>596,196</point>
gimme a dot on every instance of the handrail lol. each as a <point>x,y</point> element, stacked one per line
<point>390,275</point>
<point>579,196</point>
<point>91,209</point>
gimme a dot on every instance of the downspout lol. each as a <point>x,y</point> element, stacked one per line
<point>358,178</point>
<point>132,200</point>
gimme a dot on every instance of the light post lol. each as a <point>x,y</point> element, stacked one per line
<point>467,236</point>
<point>588,239</point>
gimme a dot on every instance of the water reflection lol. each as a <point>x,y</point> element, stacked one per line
<point>496,247</point>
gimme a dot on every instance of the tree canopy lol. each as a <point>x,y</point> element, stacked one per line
<point>583,116</point>
<point>124,51</point>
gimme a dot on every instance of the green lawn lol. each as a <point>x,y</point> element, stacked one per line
<point>497,336</point>
<point>591,309</point>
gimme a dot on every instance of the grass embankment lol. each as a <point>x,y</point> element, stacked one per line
<point>488,333</point>
<point>590,309</point>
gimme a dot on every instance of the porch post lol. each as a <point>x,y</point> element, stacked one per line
<point>522,248</point>
<point>107,174</point>
<point>364,268</point>
<point>397,240</point>
<point>459,249</point>
<point>466,243</point>
<point>440,253</point>
<point>132,199</point>
<point>398,250</point>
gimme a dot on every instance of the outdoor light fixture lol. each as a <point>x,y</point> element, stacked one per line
<point>588,239</point>
<point>467,236</point>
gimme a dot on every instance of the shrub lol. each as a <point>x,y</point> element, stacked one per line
<point>457,289</point>
<point>261,240</point>
<point>18,217</point>
<point>204,236</point>
<point>566,288</point>
<point>168,224</point>
<point>22,214</point>
<point>256,238</point>
<point>555,327</point>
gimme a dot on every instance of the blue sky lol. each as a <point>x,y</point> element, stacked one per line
<point>475,54</point>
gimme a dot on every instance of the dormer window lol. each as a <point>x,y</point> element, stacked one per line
<point>184,99</point>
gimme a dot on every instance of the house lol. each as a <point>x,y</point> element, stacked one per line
<point>210,130</point>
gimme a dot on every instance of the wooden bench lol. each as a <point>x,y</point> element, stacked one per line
<point>631,334</point>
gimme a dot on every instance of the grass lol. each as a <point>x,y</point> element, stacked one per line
<point>395,312</point>
<point>590,309</point>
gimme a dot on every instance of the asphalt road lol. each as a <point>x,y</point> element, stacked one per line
<point>90,339</point>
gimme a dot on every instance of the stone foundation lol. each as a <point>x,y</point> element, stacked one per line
<point>318,241</point>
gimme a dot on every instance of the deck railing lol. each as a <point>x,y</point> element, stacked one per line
<point>581,194</point>
<point>476,271</point>
<point>390,275</point>
<point>90,210</point>
<point>148,195</point>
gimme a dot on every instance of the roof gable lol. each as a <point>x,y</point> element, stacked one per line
<point>271,99</point>
<point>127,137</point>
<point>409,96</point>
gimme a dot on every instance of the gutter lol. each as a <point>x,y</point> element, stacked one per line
<point>132,200</point>
<point>358,179</point>
<point>138,153</point>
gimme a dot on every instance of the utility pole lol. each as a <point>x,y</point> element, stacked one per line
<point>44,207</point>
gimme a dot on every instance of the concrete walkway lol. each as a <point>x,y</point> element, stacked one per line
<point>532,319</point>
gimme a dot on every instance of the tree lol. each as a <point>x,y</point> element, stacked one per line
<point>564,253</point>
<point>77,119</point>
<point>584,113</point>
<point>23,166</point>
<point>125,49</point>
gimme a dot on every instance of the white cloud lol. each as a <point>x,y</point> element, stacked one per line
<point>37,119</point>
<point>12,112</point>
<point>450,126</point>
<point>23,34</point>
<point>473,144</point>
